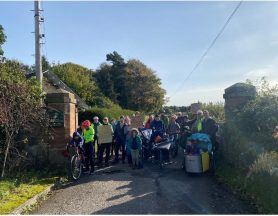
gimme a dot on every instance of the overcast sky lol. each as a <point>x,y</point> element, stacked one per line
<point>169,37</point>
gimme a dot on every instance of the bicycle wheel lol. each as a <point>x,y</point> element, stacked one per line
<point>76,167</point>
<point>161,160</point>
<point>174,150</point>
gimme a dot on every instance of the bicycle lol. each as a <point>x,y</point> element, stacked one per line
<point>174,148</point>
<point>76,162</point>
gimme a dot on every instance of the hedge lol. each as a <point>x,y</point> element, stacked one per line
<point>114,112</point>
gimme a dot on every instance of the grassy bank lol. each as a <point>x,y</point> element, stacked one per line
<point>259,190</point>
<point>16,190</point>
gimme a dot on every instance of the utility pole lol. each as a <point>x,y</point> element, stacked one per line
<point>38,36</point>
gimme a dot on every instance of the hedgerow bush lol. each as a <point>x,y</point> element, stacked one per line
<point>21,115</point>
<point>114,112</point>
<point>251,147</point>
<point>216,110</point>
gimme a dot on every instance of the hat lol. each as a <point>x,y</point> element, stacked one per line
<point>122,117</point>
<point>174,116</point>
<point>95,117</point>
<point>135,129</point>
<point>199,112</point>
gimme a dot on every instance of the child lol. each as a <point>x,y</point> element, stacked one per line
<point>135,146</point>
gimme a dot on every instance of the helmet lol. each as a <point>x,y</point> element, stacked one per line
<point>86,124</point>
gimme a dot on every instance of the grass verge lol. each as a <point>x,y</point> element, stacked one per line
<point>260,190</point>
<point>16,190</point>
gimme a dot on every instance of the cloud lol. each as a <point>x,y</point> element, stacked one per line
<point>269,70</point>
<point>258,73</point>
<point>203,94</point>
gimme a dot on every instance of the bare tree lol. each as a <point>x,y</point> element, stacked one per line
<point>19,110</point>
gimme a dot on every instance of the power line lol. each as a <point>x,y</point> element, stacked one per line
<point>208,49</point>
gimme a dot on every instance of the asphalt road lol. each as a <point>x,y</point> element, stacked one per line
<point>121,190</point>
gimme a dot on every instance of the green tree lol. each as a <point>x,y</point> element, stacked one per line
<point>119,77</point>
<point>45,64</point>
<point>131,84</point>
<point>143,88</point>
<point>79,79</point>
<point>216,110</point>
<point>105,81</point>
<point>116,59</point>
<point>111,78</point>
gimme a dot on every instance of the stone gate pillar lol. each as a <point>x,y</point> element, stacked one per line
<point>236,96</point>
<point>64,118</point>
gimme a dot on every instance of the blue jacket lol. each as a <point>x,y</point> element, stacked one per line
<point>79,142</point>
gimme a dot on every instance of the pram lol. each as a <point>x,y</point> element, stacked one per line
<point>158,151</point>
<point>198,154</point>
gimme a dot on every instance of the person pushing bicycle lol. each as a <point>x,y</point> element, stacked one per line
<point>88,135</point>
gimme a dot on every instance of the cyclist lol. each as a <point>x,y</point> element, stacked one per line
<point>88,135</point>
<point>77,140</point>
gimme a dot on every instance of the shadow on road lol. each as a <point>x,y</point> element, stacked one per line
<point>120,190</point>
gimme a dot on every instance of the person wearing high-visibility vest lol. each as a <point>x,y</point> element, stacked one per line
<point>197,126</point>
<point>88,135</point>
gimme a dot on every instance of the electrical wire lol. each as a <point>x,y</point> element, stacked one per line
<point>208,49</point>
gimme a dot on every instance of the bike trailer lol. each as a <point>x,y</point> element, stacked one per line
<point>196,156</point>
<point>193,163</point>
<point>197,163</point>
<point>162,150</point>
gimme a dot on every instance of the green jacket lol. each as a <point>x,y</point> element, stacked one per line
<point>96,125</point>
<point>138,140</point>
<point>88,135</point>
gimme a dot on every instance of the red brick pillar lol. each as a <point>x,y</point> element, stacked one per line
<point>64,118</point>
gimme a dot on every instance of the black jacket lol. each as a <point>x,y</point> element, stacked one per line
<point>210,127</point>
<point>119,132</point>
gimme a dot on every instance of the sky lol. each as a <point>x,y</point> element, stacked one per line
<point>169,37</point>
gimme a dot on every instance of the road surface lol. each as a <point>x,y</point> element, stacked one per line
<point>121,190</point>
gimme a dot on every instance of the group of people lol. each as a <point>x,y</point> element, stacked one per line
<point>115,136</point>
<point>95,138</point>
<point>202,122</point>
